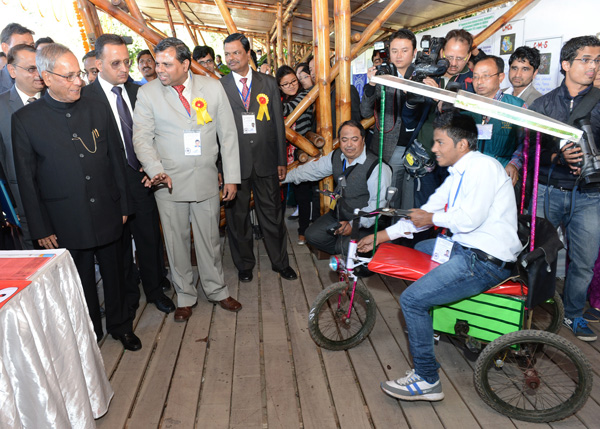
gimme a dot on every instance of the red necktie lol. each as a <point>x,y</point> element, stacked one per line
<point>245,95</point>
<point>186,104</point>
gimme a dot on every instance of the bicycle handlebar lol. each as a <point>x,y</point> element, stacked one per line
<point>384,211</point>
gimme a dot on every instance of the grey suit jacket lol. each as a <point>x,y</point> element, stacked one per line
<point>265,150</point>
<point>159,122</point>
<point>6,81</point>
<point>529,95</point>
<point>10,102</point>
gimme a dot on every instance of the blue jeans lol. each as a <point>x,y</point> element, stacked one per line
<point>583,237</point>
<point>464,275</point>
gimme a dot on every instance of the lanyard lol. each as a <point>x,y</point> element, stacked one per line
<point>497,97</point>
<point>462,176</point>
<point>247,95</point>
<point>344,166</point>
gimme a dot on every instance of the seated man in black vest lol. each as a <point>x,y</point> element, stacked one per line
<point>331,232</point>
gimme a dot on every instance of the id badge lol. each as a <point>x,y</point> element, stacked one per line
<point>442,249</point>
<point>484,131</point>
<point>249,123</point>
<point>192,143</point>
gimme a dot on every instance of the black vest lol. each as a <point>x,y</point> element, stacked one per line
<point>356,194</point>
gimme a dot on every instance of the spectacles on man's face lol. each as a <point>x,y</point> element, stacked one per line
<point>30,70</point>
<point>70,77</point>
<point>205,63</point>
<point>587,61</point>
<point>484,76</point>
<point>290,83</point>
<point>456,59</point>
<point>116,65</point>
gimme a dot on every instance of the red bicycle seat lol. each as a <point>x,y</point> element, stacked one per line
<point>410,264</point>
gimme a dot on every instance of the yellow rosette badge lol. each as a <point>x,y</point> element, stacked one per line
<point>202,116</point>
<point>263,100</point>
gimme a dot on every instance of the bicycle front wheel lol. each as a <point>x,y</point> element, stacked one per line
<point>534,376</point>
<point>329,324</point>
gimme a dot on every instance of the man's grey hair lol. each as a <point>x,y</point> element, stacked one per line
<point>46,58</point>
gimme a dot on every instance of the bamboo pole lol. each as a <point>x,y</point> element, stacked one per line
<point>301,142</point>
<point>342,49</point>
<point>244,5</point>
<point>290,47</point>
<point>184,19</point>
<point>170,18</point>
<point>369,31</point>
<point>287,15</point>
<point>363,6</point>
<point>134,10</point>
<point>268,49</point>
<point>231,27</point>
<point>88,22</point>
<point>497,24</point>
<point>454,16</point>
<point>321,13</point>
<point>201,36</point>
<point>96,21</point>
<point>142,30</point>
<point>280,59</point>
<point>353,23</point>
<point>159,32</point>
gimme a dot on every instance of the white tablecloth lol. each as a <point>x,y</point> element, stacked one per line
<point>51,371</point>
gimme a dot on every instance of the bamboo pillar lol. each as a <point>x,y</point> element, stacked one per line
<point>342,50</point>
<point>168,10</point>
<point>184,19</point>
<point>201,36</point>
<point>290,48</point>
<point>88,22</point>
<point>366,35</point>
<point>280,58</point>
<point>96,22</point>
<point>321,17</point>
<point>231,27</point>
<point>268,49</point>
<point>134,10</point>
<point>497,24</point>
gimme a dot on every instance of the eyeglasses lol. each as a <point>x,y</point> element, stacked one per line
<point>290,83</point>
<point>70,77</point>
<point>30,70</point>
<point>117,64</point>
<point>485,76</point>
<point>457,59</point>
<point>205,63</point>
<point>91,71</point>
<point>587,61</point>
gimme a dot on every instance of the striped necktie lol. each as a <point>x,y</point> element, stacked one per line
<point>245,95</point>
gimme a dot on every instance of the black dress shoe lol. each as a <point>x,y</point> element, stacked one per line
<point>130,341</point>
<point>287,273</point>
<point>165,284</point>
<point>164,303</point>
<point>245,276</point>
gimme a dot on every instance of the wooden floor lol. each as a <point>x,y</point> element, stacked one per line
<point>259,368</point>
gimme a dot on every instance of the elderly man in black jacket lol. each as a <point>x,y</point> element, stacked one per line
<point>72,183</point>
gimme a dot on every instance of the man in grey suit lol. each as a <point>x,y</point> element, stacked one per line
<point>176,122</point>
<point>27,88</point>
<point>256,104</point>
<point>12,35</point>
<point>523,67</point>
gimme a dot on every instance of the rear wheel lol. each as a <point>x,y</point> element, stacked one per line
<point>328,321</point>
<point>533,376</point>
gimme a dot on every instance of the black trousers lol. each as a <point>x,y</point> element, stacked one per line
<point>267,203</point>
<point>110,260</point>
<point>144,225</point>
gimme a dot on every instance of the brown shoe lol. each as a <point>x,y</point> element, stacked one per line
<point>183,313</point>
<point>229,304</point>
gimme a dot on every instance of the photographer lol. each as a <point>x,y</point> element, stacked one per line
<point>565,196</point>
<point>402,50</point>
<point>331,232</point>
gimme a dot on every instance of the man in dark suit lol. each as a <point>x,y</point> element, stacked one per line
<point>12,35</point>
<point>112,88</point>
<point>72,184</point>
<point>27,88</point>
<point>256,105</point>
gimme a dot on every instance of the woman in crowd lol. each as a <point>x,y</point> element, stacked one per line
<point>291,96</point>
<point>303,75</point>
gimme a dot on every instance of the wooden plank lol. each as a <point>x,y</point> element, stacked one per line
<point>281,389</point>
<point>315,403</point>
<point>246,396</point>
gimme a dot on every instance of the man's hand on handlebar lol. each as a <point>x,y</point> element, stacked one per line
<point>421,218</point>
<point>344,229</point>
<point>366,243</point>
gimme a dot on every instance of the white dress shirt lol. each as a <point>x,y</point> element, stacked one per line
<point>24,97</point>
<point>240,85</point>
<point>112,101</point>
<point>322,167</point>
<point>481,208</point>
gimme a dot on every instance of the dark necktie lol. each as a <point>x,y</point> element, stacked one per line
<point>245,90</point>
<point>31,100</point>
<point>186,104</point>
<point>126,128</point>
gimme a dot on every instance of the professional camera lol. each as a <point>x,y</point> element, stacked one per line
<point>590,165</point>
<point>427,62</point>
<point>386,67</point>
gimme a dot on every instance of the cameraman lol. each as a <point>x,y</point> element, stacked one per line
<point>360,169</point>
<point>562,197</point>
<point>402,50</point>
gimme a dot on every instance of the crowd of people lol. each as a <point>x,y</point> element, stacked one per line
<point>94,164</point>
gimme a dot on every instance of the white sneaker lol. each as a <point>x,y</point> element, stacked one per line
<point>413,388</point>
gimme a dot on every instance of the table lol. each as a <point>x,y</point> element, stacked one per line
<point>51,370</point>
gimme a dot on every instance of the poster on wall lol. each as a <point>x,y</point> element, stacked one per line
<point>548,76</point>
<point>477,24</point>
<point>506,40</point>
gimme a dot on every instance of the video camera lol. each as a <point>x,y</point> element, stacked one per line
<point>386,67</point>
<point>428,63</point>
<point>590,165</point>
